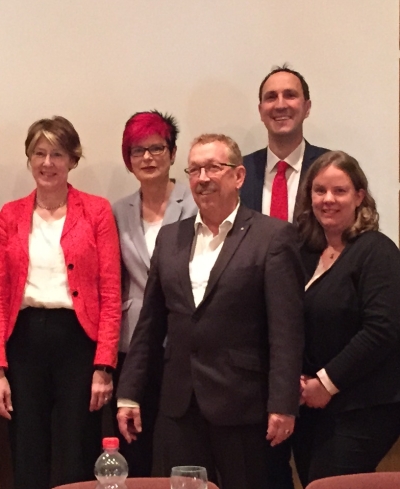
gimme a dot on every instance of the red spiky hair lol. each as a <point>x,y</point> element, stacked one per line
<point>142,125</point>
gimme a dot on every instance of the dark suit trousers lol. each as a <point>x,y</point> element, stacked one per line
<point>54,438</point>
<point>279,470</point>
<point>327,444</point>
<point>139,453</point>
<point>234,456</point>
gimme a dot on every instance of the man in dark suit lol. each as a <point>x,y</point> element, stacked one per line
<point>284,103</point>
<point>225,288</point>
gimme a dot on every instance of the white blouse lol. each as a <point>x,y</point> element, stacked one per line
<point>151,230</point>
<point>47,282</point>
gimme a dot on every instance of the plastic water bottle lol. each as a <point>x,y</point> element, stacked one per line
<point>111,468</point>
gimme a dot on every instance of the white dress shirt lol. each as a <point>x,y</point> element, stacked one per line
<point>205,251</point>
<point>294,160</point>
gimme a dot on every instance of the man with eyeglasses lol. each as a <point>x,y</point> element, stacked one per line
<point>225,288</point>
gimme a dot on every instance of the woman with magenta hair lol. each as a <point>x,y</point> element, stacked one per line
<point>148,150</point>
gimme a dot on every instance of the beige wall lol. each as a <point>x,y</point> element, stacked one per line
<point>98,61</point>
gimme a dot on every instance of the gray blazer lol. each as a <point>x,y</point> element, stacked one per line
<point>134,253</point>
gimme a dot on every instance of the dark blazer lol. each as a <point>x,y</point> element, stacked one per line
<point>240,350</point>
<point>91,251</point>
<point>352,321</point>
<point>252,190</point>
<point>134,253</point>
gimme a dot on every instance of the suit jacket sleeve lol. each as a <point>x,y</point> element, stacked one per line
<point>284,280</point>
<point>146,347</point>
<point>377,286</point>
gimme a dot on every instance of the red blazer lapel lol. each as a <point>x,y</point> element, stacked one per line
<point>74,210</point>
<point>24,225</point>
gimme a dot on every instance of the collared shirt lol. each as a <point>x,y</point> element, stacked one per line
<point>205,250</point>
<point>294,160</point>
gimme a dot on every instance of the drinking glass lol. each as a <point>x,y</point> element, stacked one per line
<point>188,477</point>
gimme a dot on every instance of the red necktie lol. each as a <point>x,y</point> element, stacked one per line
<point>279,196</point>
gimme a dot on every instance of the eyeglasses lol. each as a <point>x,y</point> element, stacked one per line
<point>154,150</point>
<point>210,169</point>
<point>39,155</point>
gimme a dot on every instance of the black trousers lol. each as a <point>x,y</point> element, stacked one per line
<point>139,453</point>
<point>54,438</point>
<point>234,456</point>
<point>279,470</point>
<point>327,444</point>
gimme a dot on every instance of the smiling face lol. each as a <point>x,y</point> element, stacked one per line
<point>50,165</point>
<point>283,107</point>
<point>215,194</point>
<point>335,200</point>
<point>148,167</point>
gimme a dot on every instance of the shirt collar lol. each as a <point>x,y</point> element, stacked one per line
<point>294,160</point>
<point>226,225</point>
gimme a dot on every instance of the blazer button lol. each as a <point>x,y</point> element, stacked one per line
<point>70,266</point>
<point>75,293</point>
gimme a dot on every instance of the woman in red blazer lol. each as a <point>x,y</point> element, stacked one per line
<point>59,315</point>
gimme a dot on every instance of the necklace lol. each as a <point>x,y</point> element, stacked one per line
<point>332,255</point>
<point>50,207</point>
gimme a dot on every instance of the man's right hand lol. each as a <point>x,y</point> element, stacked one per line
<point>5,396</point>
<point>129,422</point>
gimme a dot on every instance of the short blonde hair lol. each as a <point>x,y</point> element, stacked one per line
<point>58,131</point>
<point>235,156</point>
<point>366,218</point>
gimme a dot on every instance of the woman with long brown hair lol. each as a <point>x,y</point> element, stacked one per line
<point>351,384</point>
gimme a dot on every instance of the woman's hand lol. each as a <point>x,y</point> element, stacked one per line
<point>5,396</point>
<point>314,393</point>
<point>102,388</point>
<point>303,380</point>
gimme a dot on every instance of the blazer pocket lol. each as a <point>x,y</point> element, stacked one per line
<point>245,360</point>
<point>126,305</point>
